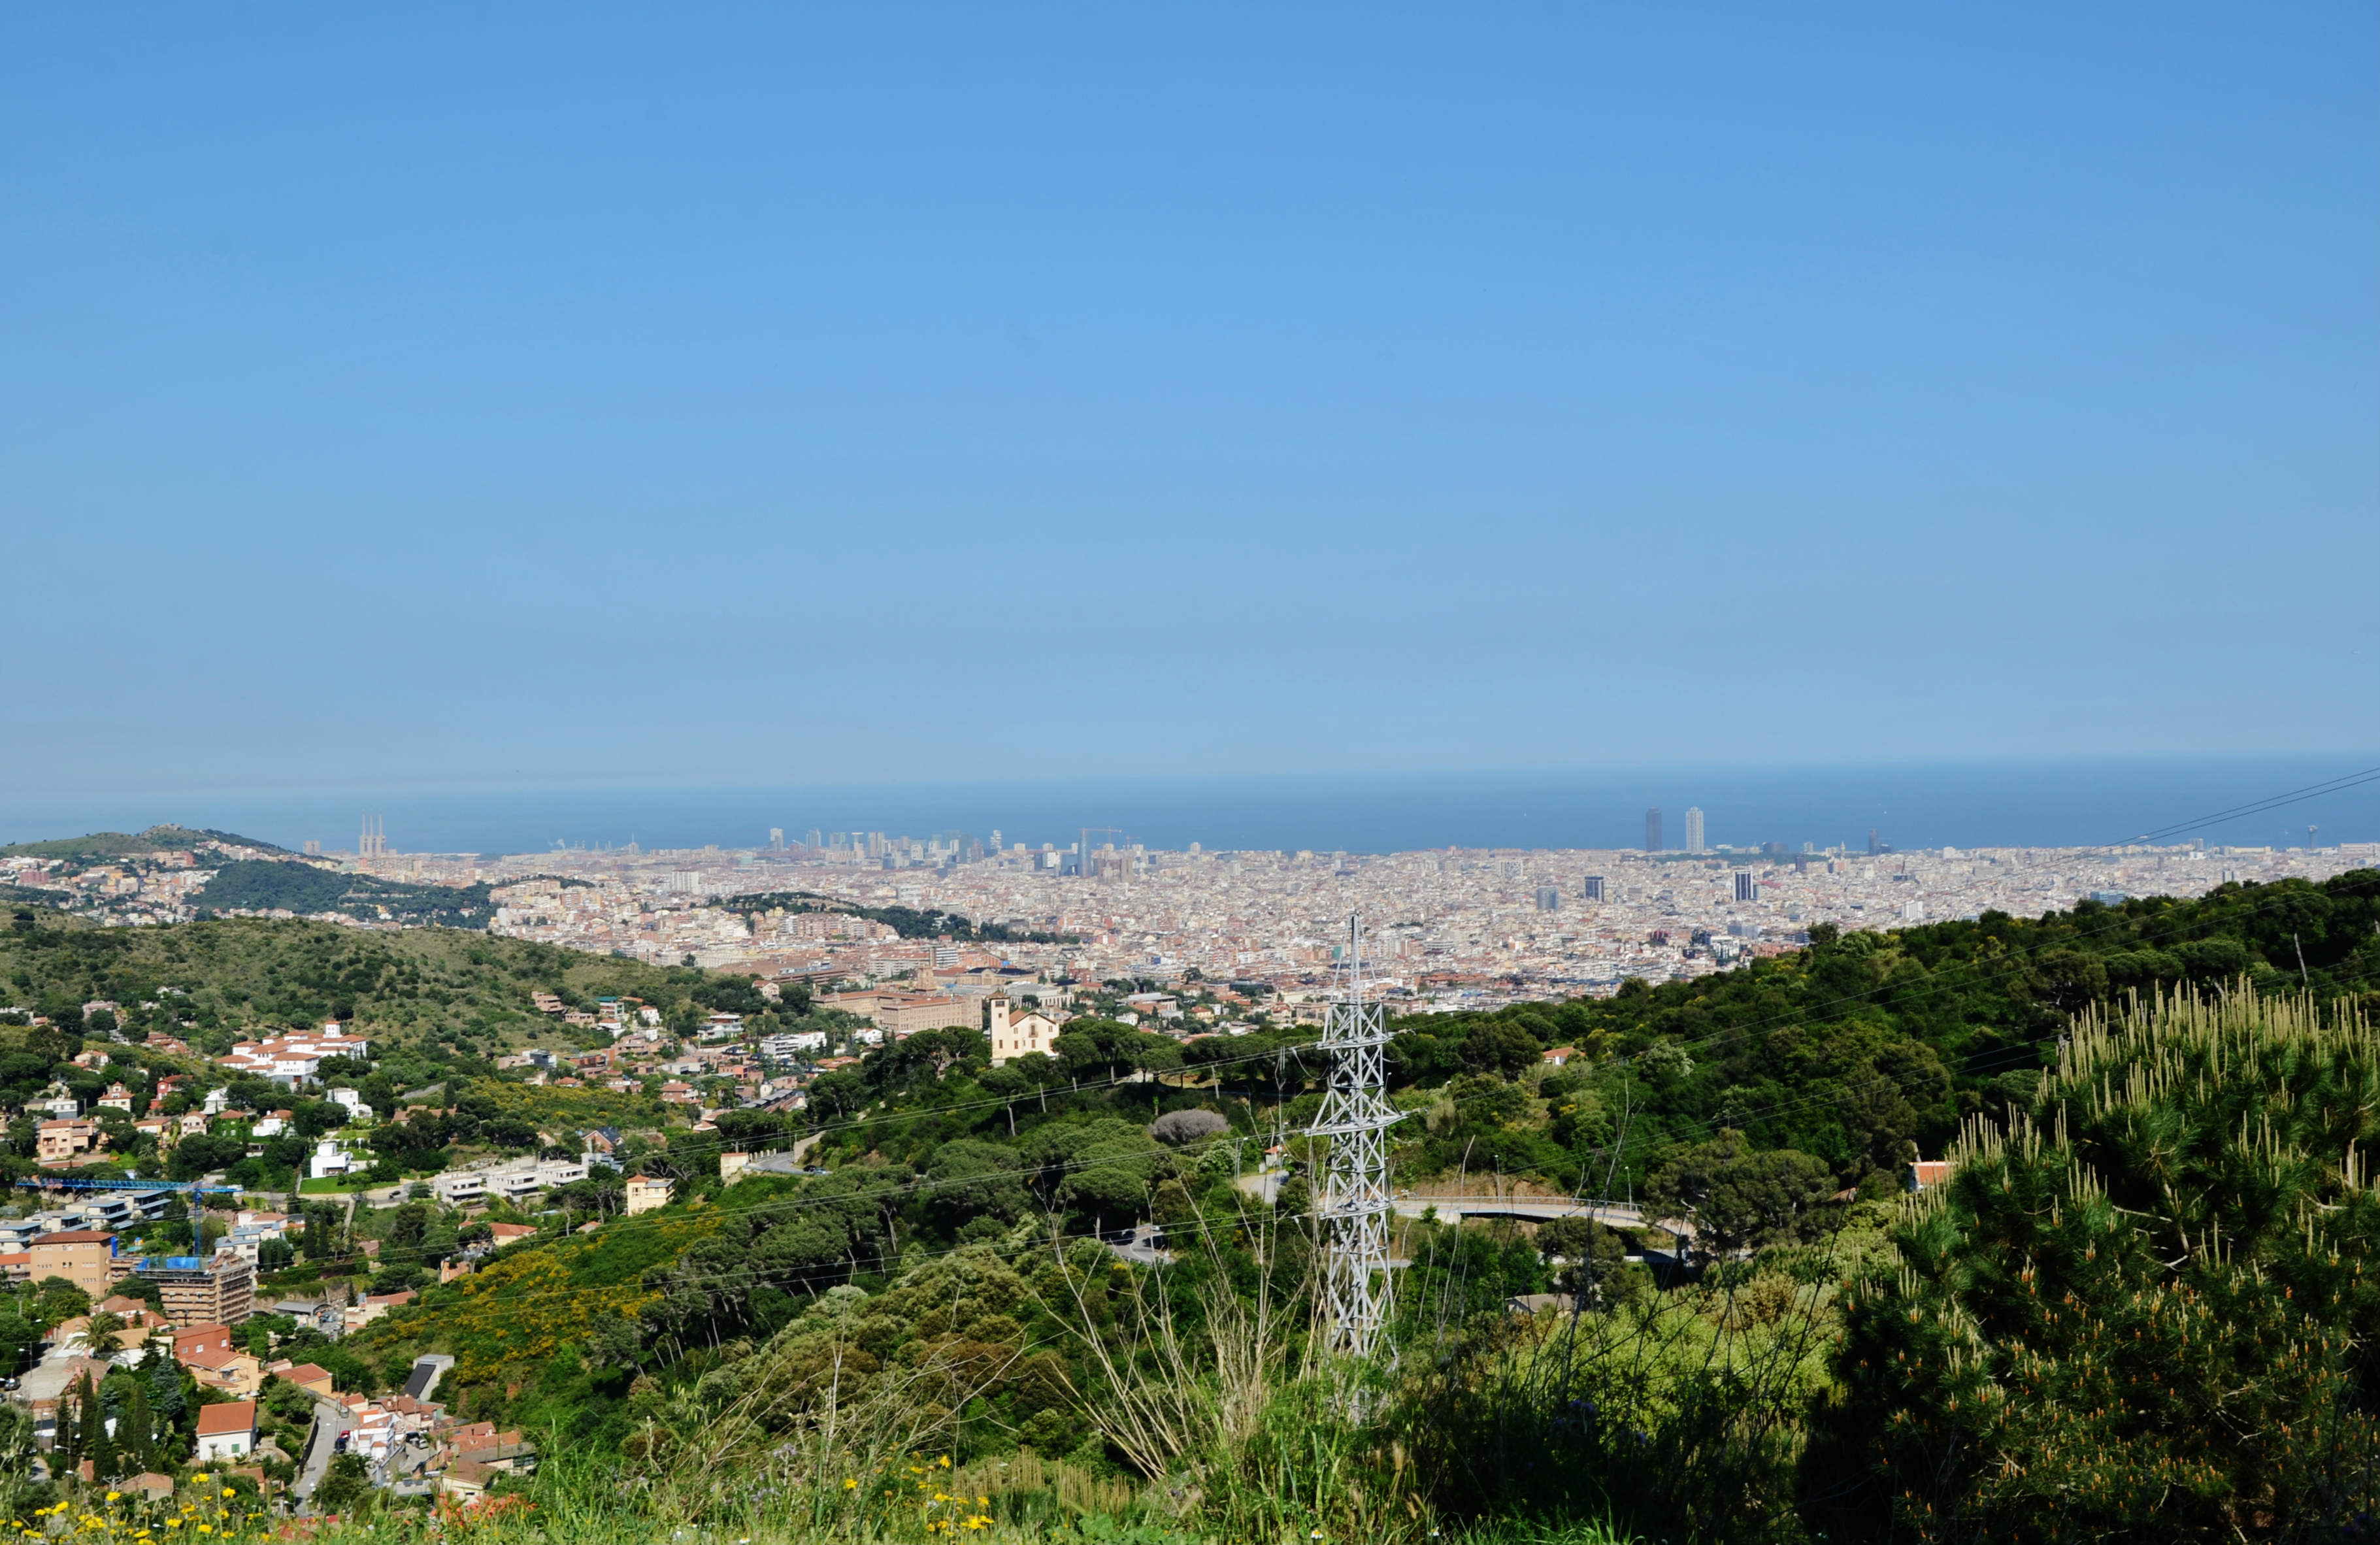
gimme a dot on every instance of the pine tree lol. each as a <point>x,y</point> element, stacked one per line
<point>165,1385</point>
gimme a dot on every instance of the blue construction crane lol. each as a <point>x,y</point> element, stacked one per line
<point>192,1186</point>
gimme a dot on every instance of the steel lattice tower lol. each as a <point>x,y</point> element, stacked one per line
<point>1354,1205</point>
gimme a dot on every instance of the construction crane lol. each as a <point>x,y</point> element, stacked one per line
<point>192,1186</point>
<point>1083,864</point>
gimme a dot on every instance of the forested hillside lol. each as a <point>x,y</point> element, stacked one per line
<point>103,846</point>
<point>957,1284</point>
<point>265,885</point>
<point>909,923</point>
<point>459,997</point>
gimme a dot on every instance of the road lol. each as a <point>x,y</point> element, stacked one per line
<point>48,1379</point>
<point>330,1421</point>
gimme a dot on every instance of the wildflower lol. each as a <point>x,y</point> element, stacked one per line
<point>851,1486</point>
<point>114,1496</point>
<point>946,1461</point>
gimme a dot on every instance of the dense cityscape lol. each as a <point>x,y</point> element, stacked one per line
<point>1447,929</point>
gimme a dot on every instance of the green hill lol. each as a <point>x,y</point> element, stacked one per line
<point>265,884</point>
<point>456,993</point>
<point>101,847</point>
<point>909,923</point>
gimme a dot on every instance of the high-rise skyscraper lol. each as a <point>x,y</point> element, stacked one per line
<point>776,839</point>
<point>1593,889</point>
<point>1694,829</point>
<point>1653,830</point>
<point>1746,888</point>
<point>1875,842</point>
<point>1548,899</point>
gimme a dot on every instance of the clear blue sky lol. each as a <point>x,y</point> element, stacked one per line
<point>518,395</point>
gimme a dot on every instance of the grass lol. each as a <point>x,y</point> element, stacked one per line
<point>326,1186</point>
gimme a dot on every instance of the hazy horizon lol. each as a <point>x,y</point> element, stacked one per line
<point>2052,802</point>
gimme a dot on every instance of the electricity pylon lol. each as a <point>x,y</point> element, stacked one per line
<point>1354,1206</point>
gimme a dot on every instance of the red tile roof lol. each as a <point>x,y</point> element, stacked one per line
<point>229,1415</point>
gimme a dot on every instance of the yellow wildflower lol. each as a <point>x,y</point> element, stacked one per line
<point>946,1461</point>
<point>114,1496</point>
<point>851,1486</point>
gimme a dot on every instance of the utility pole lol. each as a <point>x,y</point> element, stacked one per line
<point>1354,1205</point>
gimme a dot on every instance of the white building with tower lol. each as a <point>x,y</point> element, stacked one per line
<point>1035,1031</point>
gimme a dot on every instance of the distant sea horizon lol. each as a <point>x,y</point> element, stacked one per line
<point>2071,803</point>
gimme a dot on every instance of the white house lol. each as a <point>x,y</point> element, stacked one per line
<point>227,1430</point>
<point>1018,1038</point>
<point>329,1159</point>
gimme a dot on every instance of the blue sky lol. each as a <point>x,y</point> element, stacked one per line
<point>521,396</point>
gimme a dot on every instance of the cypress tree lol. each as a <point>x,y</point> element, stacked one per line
<point>69,1441</point>
<point>139,1430</point>
<point>103,1464</point>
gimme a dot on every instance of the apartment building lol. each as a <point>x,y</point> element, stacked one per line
<point>905,1014</point>
<point>219,1290</point>
<point>58,1142</point>
<point>513,1181</point>
<point>86,1258</point>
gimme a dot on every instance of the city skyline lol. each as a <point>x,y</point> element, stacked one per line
<point>2273,802</point>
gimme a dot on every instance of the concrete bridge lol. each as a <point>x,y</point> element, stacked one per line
<point>1533,1210</point>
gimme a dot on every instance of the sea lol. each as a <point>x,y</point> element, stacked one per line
<point>1908,806</point>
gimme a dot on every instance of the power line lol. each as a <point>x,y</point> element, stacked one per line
<point>2339,784</point>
